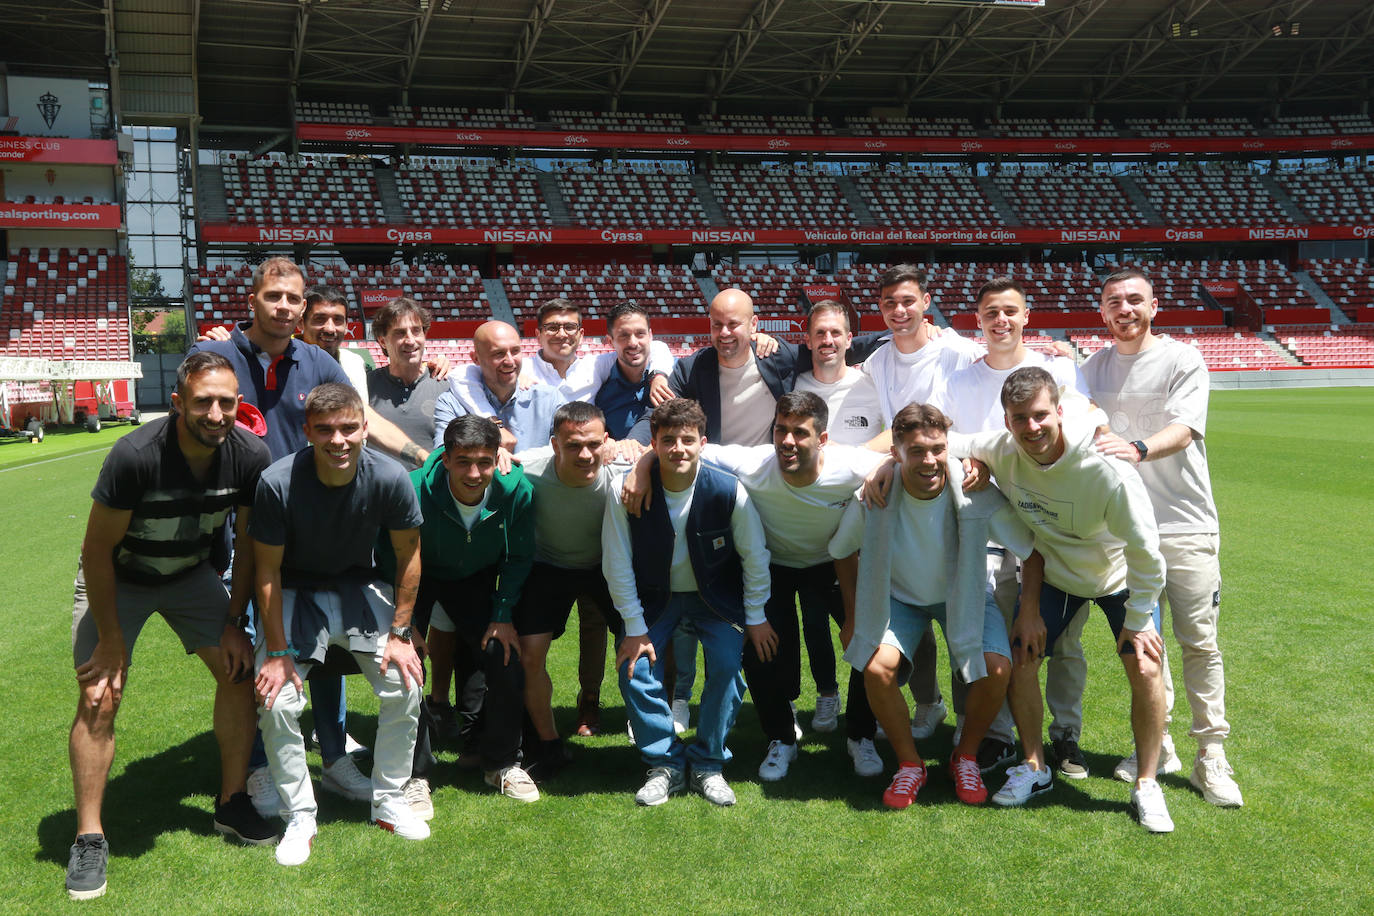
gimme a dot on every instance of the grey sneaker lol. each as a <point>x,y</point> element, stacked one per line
<point>827,716</point>
<point>342,777</point>
<point>865,757</point>
<point>86,867</point>
<point>927,718</point>
<point>263,791</point>
<point>662,782</point>
<point>713,787</point>
<point>1128,769</point>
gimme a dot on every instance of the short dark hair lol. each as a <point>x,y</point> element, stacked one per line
<point>576,413</point>
<point>393,312</point>
<point>330,294</point>
<point>677,412</point>
<point>619,311</point>
<point>332,397</point>
<point>1025,383</point>
<point>557,304</point>
<point>919,416</point>
<point>804,405</point>
<point>1125,273</point>
<point>273,267</point>
<point>198,362</point>
<point>1000,285</point>
<point>902,273</point>
<point>827,305</point>
<point>472,431</point>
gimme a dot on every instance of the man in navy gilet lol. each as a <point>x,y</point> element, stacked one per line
<point>696,551</point>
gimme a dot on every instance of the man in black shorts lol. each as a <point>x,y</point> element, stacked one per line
<point>571,486</point>
<point>163,495</point>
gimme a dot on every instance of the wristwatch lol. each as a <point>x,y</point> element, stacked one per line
<point>402,633</point>
<point>1140,447</point>
<point>240,621</point>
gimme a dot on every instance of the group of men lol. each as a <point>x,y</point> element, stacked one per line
<point>386,519</point>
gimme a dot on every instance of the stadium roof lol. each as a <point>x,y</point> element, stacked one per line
<point>241,60</point>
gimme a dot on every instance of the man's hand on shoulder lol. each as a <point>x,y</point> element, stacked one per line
<point>765,345</point>
<point>214,332</point>
<point>659,390</point>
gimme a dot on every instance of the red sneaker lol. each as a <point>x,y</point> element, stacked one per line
<point>908,781</point>
<point>968,781</point>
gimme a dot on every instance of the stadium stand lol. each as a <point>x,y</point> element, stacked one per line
<point>631,199</point>
<point>220,294</point>
<point>1320,125</point>
<point>334,112</point>
<point>330,191</point>
<point>1072,197</point>
<point>1329,345</point>
<point>775,288</point>
<point>661,289</point>
<point>1211,194</point>
<point>1348,281</point>
<point>1190,127</point>
<point>796,125</point>
<point>1338,197</point>
<point>621,122</point>
<point>1053,127</point>
<point>456,117</point>
<point>939,197</point>
<point>869,125</point>
<point>751,195</point>
<point>1220,349</point>
<point>445,192</point>
<point>65,304</point>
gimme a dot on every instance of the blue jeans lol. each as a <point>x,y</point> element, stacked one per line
<point>646,701</point>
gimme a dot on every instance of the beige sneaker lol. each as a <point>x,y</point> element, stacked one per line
<point>514,783</point>
<point>416,794</point>
<point>1212,777</point>
<point>1169,763</point>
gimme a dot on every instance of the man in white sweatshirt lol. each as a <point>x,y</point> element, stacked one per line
<point>1095,528</point>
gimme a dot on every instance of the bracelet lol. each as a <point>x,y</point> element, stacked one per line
<point>280,653</point>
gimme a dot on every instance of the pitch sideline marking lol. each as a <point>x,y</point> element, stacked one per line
<point>34,464</point>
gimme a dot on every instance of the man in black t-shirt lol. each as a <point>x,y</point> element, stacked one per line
<point>316,517</point>
<point>162,498</point>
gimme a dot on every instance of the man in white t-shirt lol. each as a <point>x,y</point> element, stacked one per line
<point>856,415</point>
<point>921,559</point>
<point>800,486</point>
<point>1095,528</point>
<point>972,399</point>
<point>910,371</point>
<point>1154,391</point>
<point>559,330</point>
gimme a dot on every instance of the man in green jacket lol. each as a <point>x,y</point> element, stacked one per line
<point>476,550</point>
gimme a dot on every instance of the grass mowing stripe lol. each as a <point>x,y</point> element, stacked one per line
<point>1296,633</point>
<point>19,467</point>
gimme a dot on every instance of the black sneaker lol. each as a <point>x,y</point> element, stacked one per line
<point>447,728</point>
<point>1068,759</point>
<point>993,754</point>
<point>86,867</point>
<point>238,818</point>
<point>548,761</point>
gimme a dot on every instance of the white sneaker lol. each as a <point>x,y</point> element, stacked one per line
<point>1212,777</point>
<point>342,777</point>
<point>682,715</point>
<point>393,815</point>
<point>1147,798</point>
<point>827,715</point>
<point>865,757</point>
<point>926,718</point>
<point>297,839</point>
<point>416,794</point>
<point>1128,769</point>
<point>1022,785</point>
<point>796,726</point>
<point>777,760</point>
<point>262,789</point>
<point>513,782</point>
<point>713,788</point>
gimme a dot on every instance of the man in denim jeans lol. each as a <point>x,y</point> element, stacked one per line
<point>696,551</point>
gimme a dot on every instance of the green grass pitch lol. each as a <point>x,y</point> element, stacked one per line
<point>1292,472</point>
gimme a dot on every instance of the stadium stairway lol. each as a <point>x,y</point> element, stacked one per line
<point>210,203</point>
<point>999,203</point>
<point>855,200</point>
<point>390,196</point>
<point>1276,191</point>
<point>496,297</point>
<point>1314,289</point>
<point>553,198</point>
<point>1137,197</point>
<point>708,287</point>
<point>714,214</point>
<point>1285,354</point>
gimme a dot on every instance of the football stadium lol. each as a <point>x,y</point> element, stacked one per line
<point>474,168</point>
